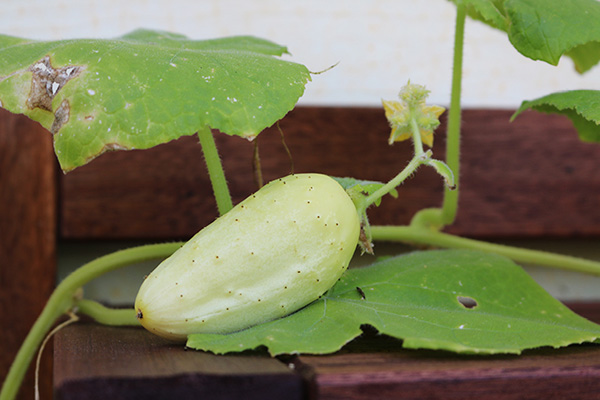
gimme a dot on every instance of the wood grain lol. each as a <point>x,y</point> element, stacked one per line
<point>527,178</point>
<point>376,367</point>
<point>98,362</point>
<point>28,188</point>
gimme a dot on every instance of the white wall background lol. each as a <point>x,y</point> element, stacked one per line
<point>380,44</point>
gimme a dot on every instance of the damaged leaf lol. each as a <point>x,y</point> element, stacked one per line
<point>456,300</point>
<point>145,88</point>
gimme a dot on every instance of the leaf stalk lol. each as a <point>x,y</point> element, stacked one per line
<point>215,171</point>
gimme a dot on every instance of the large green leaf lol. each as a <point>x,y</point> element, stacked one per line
<point>545,29</point>
<point>145,88</point>
<point>456,300</point>
<point>581,106</point>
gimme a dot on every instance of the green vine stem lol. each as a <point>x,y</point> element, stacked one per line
<point>437,218</point>
<point>215,170</point>
<point>105,315</point>
<point>416,136</point>
<point>63,300</point>
<point>450,204</point>
<point>418,235</point>
<point>412,166</point>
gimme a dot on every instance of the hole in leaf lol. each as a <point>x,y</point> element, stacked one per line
<point>467,302</point>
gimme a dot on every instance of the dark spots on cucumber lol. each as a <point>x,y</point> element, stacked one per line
<point>176,283</point>
<point>259,300</point>
<point>180,295</point>
<point>139,314</point>
<point>285,287</point>
<point>227,309</point>
<point>318,280</point>
<point>298,271</point>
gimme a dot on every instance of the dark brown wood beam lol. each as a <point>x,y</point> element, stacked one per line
<point>28,190</point>
<point>528,178</point>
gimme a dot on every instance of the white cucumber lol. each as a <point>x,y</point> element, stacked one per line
<point>275,252</point>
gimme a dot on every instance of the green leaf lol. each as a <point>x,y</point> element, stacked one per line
<point>581,106</point>
<point>545,29</point>
<point>457,300</point>
<point>145,88</point>
<point>490,12</point>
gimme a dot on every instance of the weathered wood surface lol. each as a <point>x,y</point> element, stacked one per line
<point>28,189</point>
<point>97,362</point>
<point>527,178</point>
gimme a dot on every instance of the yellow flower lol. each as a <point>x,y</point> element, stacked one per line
<point>412,106</point>
<point>397,115</point>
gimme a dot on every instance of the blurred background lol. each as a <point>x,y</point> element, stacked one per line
<point>379,44</point>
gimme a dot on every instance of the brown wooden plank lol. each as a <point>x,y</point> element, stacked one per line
<point>99,362</point>
<point>376,367</point>
<point>27,237</point>
<point>531,177</point>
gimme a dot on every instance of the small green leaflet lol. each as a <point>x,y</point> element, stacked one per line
<point>357,188</point>
<point>581,106</point>
<point>456,300</point>
<point>145,88</point>
<point>545,29</point>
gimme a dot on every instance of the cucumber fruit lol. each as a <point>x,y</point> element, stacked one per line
<point>273,253</point>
